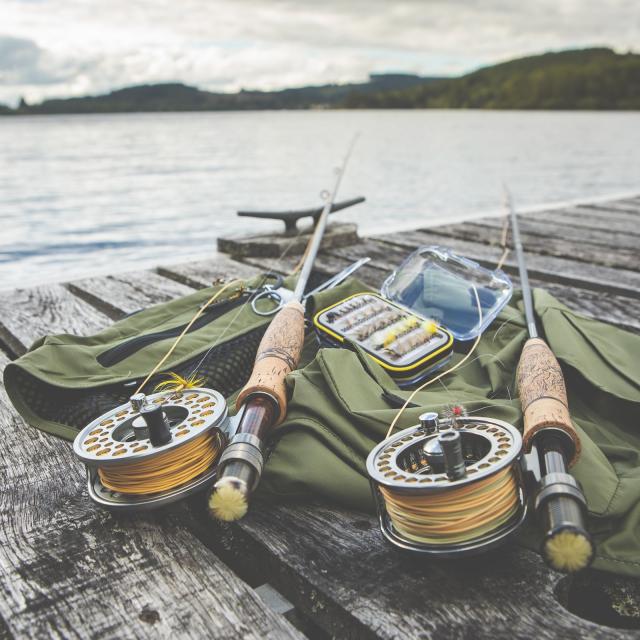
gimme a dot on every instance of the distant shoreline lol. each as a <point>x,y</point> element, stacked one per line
<point>332,109</point>
<point>596,79</point>
<point>11,116</point>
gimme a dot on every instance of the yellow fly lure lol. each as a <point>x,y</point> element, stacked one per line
<point>177,383</point>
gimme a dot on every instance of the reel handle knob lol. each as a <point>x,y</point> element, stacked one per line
<point>159,430</point>
<point>451,444</point>
<point>544,397</point>
<point>278,355</point>
<point>137,401</point>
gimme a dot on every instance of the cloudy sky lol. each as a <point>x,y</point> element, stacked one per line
<point>74,47</point>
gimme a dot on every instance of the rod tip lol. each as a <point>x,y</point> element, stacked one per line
<point>568,550</point>
<point>228,501</point>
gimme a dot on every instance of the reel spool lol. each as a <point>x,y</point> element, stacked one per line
<point>154,450</point>
<point>450,488</point>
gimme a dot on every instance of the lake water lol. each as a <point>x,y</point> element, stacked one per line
<point>92,194</point>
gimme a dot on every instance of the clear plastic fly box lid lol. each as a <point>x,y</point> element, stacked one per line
<point>436,283</point>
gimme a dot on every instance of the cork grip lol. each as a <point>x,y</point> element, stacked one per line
<point>278,355</point>
<point>542,394</point>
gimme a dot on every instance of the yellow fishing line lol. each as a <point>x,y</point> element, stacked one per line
<point>198,313</point>
<point>457,515</point>
<point>407,402</point>
<point>165,471</point>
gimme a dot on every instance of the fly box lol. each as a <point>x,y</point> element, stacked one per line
<point>407,345</point>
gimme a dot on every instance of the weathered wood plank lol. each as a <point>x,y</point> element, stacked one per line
<point>575,233</point>
<point>71,570</point>
<point>272,244</point>
<point>561,270</point>
<point>608,307</point>
<point>121,294</point>
<point>204,273</point>
<point>618,310</point>
<point>621,206</point>
<point>325,266</point>
<point>125,293</point>
<point>628,216</point>
<point>26,314</point>
<point>631,202</point>
<point>595,220</point>
<point>622,258</point>
<point>282,266</point>
<point>334,565</point>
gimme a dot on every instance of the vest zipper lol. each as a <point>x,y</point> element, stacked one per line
<point>122,351</point>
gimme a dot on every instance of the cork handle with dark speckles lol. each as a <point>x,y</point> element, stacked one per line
<point>278,355</point>
<point>543,394</point>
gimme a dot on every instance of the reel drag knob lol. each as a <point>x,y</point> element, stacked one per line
<point>429,421</point>
<point>157,423</point>
<point>140,429</point>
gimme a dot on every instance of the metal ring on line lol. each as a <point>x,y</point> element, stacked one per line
<point>269,294</point>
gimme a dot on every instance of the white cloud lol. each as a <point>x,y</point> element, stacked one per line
<point>73,47</point>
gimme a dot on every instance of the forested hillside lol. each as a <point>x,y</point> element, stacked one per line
<point>582,79</point>
<point>181,97</point>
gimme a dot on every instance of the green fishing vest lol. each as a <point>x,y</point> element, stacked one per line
<point>341,402</point>
<point>63,382</point>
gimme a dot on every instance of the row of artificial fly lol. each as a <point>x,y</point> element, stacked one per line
<point>383,327</point>
<point>181,464</point>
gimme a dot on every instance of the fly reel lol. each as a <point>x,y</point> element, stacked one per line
<point>449,488</point>
<point>154,449</point>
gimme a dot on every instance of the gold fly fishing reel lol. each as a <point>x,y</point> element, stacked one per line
<point>154,449</point>
<point>449,487</point>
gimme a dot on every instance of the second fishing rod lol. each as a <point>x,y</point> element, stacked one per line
<point>550,437</point>
<point>457,484</point>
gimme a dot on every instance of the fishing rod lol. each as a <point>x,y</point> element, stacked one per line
<point>263,400</point>
<point>550,437</point>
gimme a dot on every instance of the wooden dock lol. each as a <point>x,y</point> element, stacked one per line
<point>70,570</point>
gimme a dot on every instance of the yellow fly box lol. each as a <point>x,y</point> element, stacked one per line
<point>407,345</point>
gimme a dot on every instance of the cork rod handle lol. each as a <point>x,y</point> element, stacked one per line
<point>543,394</point>
<point>278,355</point>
